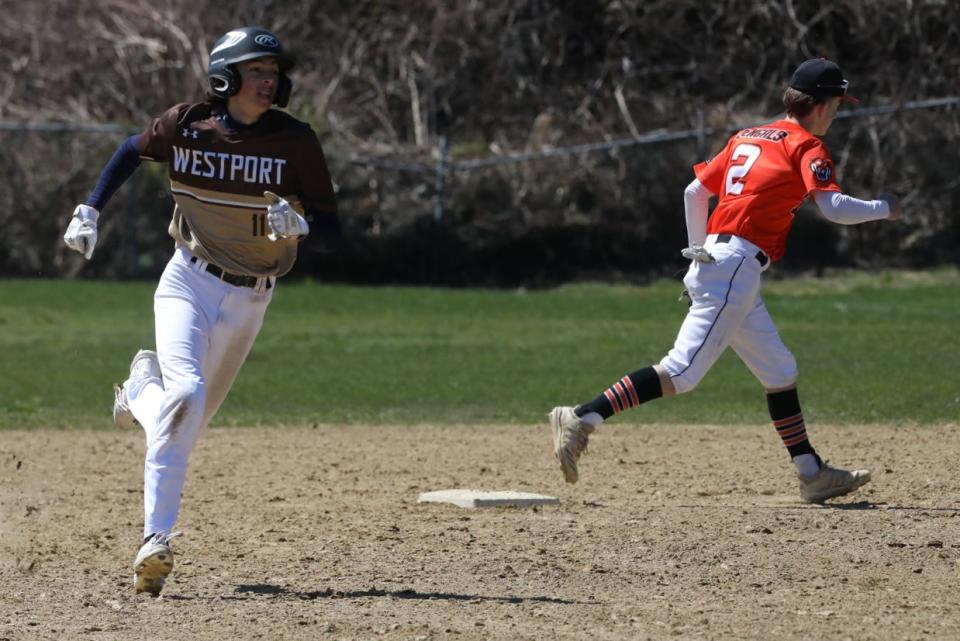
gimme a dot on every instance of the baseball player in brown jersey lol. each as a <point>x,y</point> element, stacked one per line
<point>761,177</point>
<point>251,186</point>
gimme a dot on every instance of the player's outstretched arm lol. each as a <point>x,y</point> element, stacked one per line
<point>81,234</point>
<point>893,202</point>
<point>840,208</point>
<point>696,208</point>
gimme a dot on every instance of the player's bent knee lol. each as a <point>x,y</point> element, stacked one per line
<point>781,380</point>
<point>185,403</point>
<point>773,387</point>
<point>779,375</point>
<point>684,382</point>
<point>667,388</point>
<point>677,377</point>
<point>683,385</point>
<point>186,392</point>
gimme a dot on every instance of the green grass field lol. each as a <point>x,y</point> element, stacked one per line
<point>871,348</point>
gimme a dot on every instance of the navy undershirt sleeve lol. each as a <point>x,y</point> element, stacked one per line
<point>124,162</point>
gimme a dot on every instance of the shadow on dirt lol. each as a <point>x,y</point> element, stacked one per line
<point>868,505</point>
<point>858,505</point>
<point>276,590</point>
<point>832,505</point>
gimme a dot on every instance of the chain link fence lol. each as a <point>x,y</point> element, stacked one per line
<point>604,209</point>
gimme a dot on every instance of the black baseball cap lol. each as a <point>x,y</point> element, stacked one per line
<point>821,78</point>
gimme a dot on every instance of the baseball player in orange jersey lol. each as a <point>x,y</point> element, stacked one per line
<point>250,183</point>
<point>761,176</point>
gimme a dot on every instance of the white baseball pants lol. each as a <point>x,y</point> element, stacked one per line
<point>727,310</point>
<point>204,330</point>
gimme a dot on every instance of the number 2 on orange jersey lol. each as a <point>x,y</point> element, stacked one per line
<point>736,173</point>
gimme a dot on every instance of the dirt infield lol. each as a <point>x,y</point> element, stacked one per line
<point>315,533</point>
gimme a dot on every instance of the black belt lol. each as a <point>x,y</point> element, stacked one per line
<point>234,279</point>
<point>761,257</point>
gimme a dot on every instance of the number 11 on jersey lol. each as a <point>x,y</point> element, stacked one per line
<point>260,224</point>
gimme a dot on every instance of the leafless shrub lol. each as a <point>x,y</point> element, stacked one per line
<point>494,76</point>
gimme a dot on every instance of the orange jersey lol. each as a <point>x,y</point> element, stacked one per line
<point>762,176</point>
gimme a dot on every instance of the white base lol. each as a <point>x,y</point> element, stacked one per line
<point>476,498</point>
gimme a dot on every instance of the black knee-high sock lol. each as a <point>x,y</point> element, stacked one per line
<point>788,420</point>
<point>633,389</point>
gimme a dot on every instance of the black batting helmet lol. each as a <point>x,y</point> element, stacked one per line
<point>242,44</point>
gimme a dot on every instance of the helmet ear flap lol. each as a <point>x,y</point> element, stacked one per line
<point>284,87</point>
<point>224,82</point>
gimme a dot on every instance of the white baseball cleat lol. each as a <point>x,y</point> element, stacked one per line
<point>122,416</point>
<point>154,563</point>
<point>570,436</point>
<point>144,365</point>
<point>830,482</point>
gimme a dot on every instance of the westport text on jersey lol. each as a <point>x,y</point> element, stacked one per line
<point>233,167</point>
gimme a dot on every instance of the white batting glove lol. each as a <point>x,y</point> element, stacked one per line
<point>698,253</point>
<point>81,234</point>
<point>283,219</point>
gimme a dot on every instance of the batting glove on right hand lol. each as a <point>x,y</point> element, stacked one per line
<point>697,253</point>
<point>283,219</point>
<point>81,234</point>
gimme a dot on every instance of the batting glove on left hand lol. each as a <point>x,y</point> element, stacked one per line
<point>283,219</point>
<point>81,234</point>
<point>698,253</point>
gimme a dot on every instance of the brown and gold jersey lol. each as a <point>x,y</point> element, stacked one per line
<point>218,175</point>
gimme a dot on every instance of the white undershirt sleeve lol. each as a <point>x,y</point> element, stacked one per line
<point>696,208</point>
<point>847,210</point>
